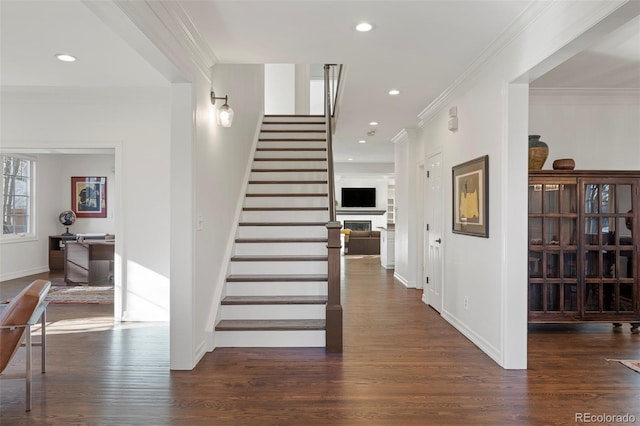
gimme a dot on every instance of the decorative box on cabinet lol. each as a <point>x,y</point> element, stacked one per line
<point>584,259</point>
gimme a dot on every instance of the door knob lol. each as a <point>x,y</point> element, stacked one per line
<point>439,240</point>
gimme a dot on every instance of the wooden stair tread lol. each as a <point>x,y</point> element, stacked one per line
<point>283,209</point>
<point>289,170</point>
<point>291,149</point>
<point>274,300</point>
<point>276,278</point>
<point>286,194</point>
<point>292,131</point>
<point>292,140</point>
<point>278,258</point>
<point>282,224</point>
<point>270,325</point>
<point>290,159</point>
<point>294,122</point>
<point>294,115</point>
<point>287,182</point>
<point>280,240</point>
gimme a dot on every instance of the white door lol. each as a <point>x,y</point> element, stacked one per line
<point>420,223</point>
<point>433,234</point>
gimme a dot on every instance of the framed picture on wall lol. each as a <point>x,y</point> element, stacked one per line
<point>471,197</point>
<point>89,196</point>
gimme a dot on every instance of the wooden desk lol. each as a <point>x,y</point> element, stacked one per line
<point>89,262</point>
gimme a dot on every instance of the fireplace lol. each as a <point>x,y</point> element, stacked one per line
<point>358,225</point>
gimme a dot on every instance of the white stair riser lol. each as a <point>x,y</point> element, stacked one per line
<point>292,118</point>
<point>289,165</point>
<point>290,154</point>
<point>291,144</point>
<point>278,288</point>
<point>285,216</point>
<point>270,339</point>
<point>276,126</point>
<point>282,231</point>
<point>293,135</point>
<point>287,188</point>
<point>277,249</point>
<point>286,201</point>
<point>272,312</point>
<point>288,176</point>
<point>278,268</point>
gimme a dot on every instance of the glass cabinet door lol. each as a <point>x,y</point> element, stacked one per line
<point>553,239</point>
<point>609,259</point>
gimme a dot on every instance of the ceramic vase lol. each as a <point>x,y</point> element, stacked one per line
<point>538,152</point>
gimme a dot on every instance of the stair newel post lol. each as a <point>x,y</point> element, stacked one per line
<point>334,308</point>
<point>333,330</point>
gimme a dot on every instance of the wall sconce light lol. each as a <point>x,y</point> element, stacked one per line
<point>224,113</point>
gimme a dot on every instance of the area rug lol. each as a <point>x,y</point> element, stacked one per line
<point>632,364</point>
<point>80,294</point>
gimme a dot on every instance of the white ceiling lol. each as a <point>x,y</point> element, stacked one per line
<point>612,63</point>
<point>418,47</point>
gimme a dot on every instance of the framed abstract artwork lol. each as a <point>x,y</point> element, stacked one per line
<point>471,197</point>
<point>89,196</point>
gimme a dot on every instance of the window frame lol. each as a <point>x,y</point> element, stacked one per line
<point>31,235</point>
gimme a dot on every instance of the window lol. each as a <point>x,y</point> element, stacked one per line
<point>17,191</point>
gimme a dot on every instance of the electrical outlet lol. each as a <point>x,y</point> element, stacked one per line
<point>466,303</point>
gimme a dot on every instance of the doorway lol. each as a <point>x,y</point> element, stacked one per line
<point>433,205</point>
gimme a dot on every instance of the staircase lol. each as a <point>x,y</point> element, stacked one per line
<point>276,292</point>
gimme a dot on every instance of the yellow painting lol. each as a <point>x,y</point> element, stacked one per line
<point>470,199</point>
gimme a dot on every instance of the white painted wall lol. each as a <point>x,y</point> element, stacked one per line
<point>599,129</point>
<point>85,165</point>
<point>137,123</point>
<point>316,97</point>
<point>279,89</point>
<point>406,149</point>
<point>223,160</point>
<point>492,272</point>
<point>381,186</point>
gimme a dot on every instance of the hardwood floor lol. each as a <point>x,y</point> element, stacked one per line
<point>402,365</point>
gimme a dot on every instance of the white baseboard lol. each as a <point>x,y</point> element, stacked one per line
<point>404,281</point>
<point>23,273</point>
<point>493,352</point>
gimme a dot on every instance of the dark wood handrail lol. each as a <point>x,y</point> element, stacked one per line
<point>333,323</point>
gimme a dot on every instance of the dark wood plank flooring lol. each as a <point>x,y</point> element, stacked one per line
<point>402,365</point>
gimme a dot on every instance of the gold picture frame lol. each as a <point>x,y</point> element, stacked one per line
<point>471,197</point>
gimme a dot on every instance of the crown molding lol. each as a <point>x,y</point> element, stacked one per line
<point>533,13</point>
<point>526,18</point>
<point>584,96</point>
<point>168,27</point>
<point>402,136</point>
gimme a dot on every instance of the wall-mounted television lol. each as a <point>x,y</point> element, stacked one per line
<point>358,197</point>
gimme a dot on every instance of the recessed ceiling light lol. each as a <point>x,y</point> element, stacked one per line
<point>349,159</point>
<point>362,141</point>
<point>364,27</point>
<point>394,92</point>
<point>373,123</point>
<point>65,57</point>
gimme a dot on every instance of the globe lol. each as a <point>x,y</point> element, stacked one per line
<point>67,218</point>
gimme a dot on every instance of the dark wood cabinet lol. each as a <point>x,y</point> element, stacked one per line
<point>56,251</point>
<point>584,259</point>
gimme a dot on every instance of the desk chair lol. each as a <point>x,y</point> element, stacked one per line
<point>16,320</point>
